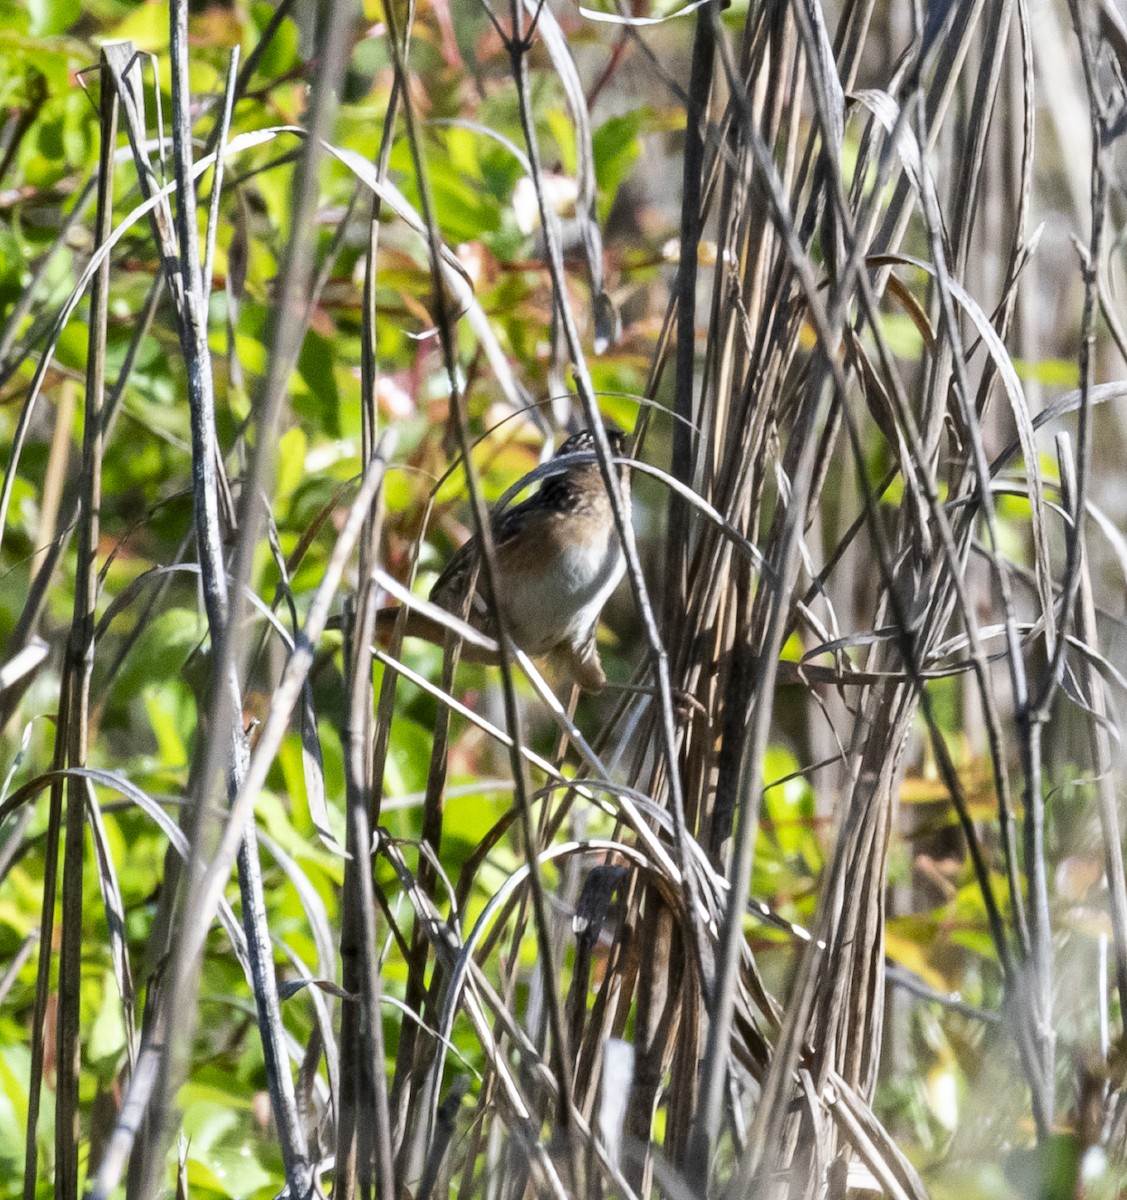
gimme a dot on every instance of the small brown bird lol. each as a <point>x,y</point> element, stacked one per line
<point>559,559</point>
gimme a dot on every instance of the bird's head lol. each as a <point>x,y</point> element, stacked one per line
<point>584,441</point>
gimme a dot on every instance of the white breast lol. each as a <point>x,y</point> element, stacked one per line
<point>563,605</point>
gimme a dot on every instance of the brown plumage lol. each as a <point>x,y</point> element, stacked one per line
<point>559,559</point>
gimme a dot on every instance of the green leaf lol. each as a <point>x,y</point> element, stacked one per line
<point>292,446</point>
<point>146,26</point>
<point>107,1033</point>
<point>789,807</point>
<point>15,1068</point>
<point>467,818</point>
<point>167,717</point>
<point>1052,372</point>
<point>616,146</point>
<point>281,55</point>
<point>902,335</point>
<point>316,395</point>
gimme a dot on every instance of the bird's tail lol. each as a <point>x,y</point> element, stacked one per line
<point>420,625</point>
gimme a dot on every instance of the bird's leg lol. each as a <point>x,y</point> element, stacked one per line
<point>580,663</point>
<point>686,705</point>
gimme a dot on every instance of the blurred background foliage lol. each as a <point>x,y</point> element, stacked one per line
<point>950,1089</point>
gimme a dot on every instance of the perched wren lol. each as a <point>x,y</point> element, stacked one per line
<point>559,558</point>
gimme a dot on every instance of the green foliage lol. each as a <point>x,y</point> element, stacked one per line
<point>152,704</point>
<point>152,664</point>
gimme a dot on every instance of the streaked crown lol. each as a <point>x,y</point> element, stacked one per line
<point>584,440</point>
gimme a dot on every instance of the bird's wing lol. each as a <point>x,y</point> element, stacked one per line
<point>450,587</point>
